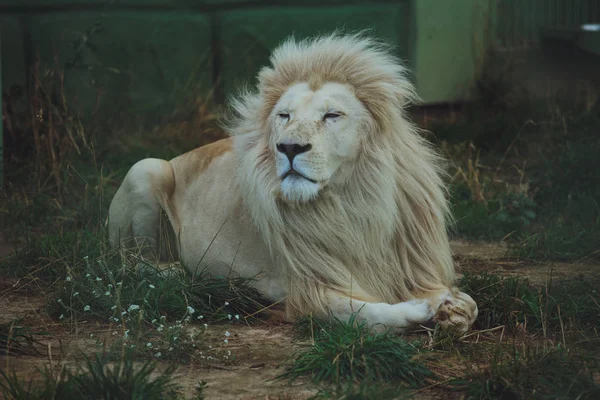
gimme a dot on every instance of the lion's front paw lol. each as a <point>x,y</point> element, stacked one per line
<point>420,312</point>
<point>456,314</point>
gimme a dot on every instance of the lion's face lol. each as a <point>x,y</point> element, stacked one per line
<point>316,137</point>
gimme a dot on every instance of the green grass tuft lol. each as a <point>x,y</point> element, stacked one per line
<point>105,289</point>
<point>563,307</point>
<point>495,219</point>
<point>534,373</point>
<point>349,352</point>
<point>19,339</point>
<point>96,379</point>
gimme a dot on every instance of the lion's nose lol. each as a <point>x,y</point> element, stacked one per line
<point>292,150</point>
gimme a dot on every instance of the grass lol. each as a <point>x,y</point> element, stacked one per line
<point>102,289</point>
<point>158,313</point>
<point>495,219</point>
<point>96,379</point>
<point>345,353</point>
<point>524,170</point>
<point>18,339</point>
<point>532,372</point>
<point>554,310</point>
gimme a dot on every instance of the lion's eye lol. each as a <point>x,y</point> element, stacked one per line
<point>331,115</point>
<point>284,115</point>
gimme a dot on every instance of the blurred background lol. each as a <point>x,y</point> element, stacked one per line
<point>509,94</point>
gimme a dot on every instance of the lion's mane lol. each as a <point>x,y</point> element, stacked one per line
<point>383,236</point>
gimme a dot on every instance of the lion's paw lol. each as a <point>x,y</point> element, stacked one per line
<point>456,314</point>
<point>420,311</point>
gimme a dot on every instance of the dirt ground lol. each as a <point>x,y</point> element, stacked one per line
<point>260,351</point>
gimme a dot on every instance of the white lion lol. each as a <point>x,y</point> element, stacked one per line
<point>325,192</point>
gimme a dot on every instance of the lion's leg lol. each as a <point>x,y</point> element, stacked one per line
<point>452,309</point>
<point>135,212</point>
<point>456,311</point>
<point>380,316</point>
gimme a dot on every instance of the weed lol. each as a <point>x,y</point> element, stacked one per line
<point>493,219</point>
<point>153,309</point>
<point>105,288</point>
<point>350,352</point>
<point>556,308</point>
<point>533,372</point>
<point>96,379</point>
<point>570,200</point>
<point>527,174</point>
<point>18,339</point>
<point>363,391</point>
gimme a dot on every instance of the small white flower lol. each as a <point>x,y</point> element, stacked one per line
<point>227,334</point>
<point>115,319</point>
<point>237,316</point>
<point>61,316</point>
<point>154,321</point>
<point>200,316</point>
<point>107,293</point>
<point>158,354</point>
<point>113,308</point>
<point>119,283</point>
<point>98,279</point>
<point>228,316</point>
<point>190,310</point>
<point>59,301</point>
<point>228,352</point>
<point>87,275</point>
<point>68,279</point>
<point>226,303</point>
<point>151,286</point>
<point>205,326</point>
<point>209,358</point>
<point>127,333</point>
<point>86,308</point>
<point>123,312</point>
<point>133,307</point>
<point>75,294</point>
<point>170,349</point>
<point>160,328</point>
<point>148,344</point>
<point>226,341</point>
